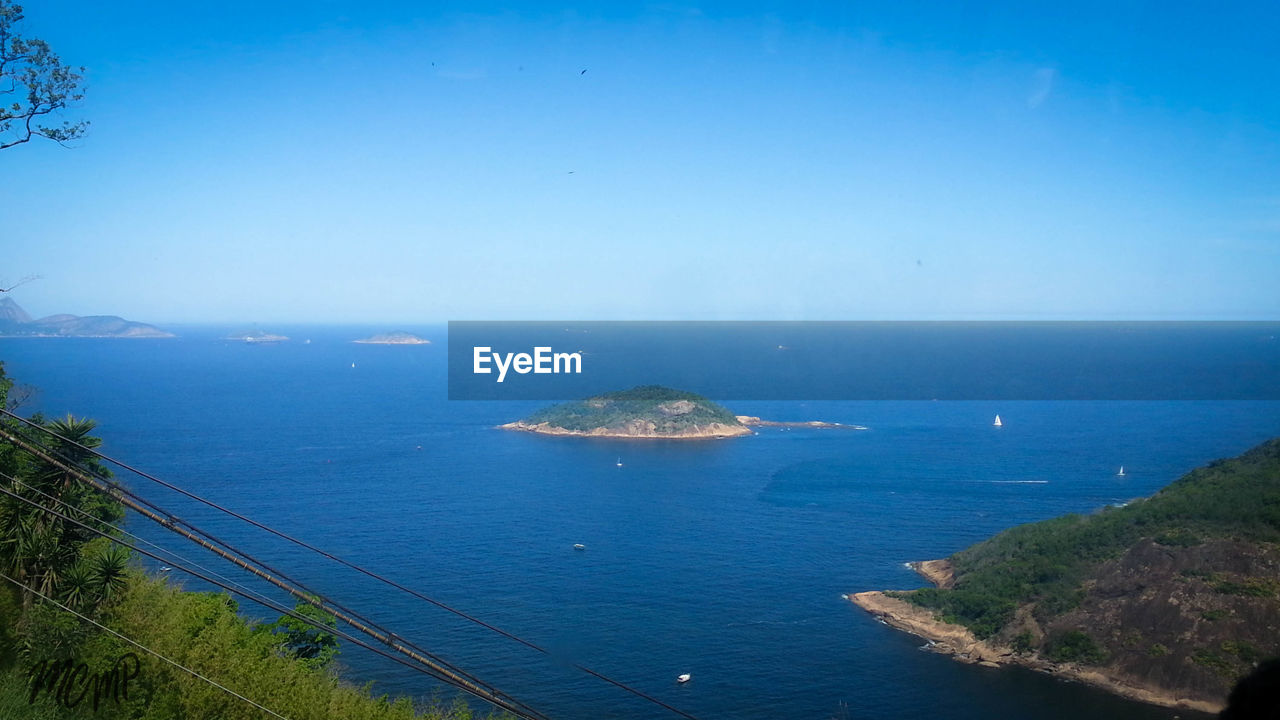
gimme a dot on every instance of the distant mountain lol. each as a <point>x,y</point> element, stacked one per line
<point>15,322</point>
<point>10,312</point>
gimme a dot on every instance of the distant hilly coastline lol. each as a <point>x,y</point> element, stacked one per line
<point>15,322</point>
<point>1167,600</point>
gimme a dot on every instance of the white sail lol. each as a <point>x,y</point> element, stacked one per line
<point>997,423</point>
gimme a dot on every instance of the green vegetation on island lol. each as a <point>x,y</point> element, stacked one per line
<point>1178,592</point>
<point>648,411</point>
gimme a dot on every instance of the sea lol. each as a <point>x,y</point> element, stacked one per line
<point>723,559</point>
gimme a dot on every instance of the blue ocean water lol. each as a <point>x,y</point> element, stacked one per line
<point>724,559</point>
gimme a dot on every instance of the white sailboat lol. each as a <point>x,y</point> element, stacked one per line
<point>997,423</point>
<point>1121,473</point>
<point>619,462</point>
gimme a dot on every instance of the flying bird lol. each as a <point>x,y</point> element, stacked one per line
<point>584,71</point>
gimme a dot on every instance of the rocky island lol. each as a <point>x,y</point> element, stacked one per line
<point>394,338</point>
<point>648,411</point>
<point>15,322</point>
<point>1167,600</point>
<point>257,336</point>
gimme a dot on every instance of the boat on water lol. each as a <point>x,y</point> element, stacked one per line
<point>619,462</point>
<point>683,678</point>
<point>1121,473</point>
<point>997,423</point>
<point>579,546</point>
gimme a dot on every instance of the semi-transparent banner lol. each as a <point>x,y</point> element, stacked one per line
<point>495,360</point>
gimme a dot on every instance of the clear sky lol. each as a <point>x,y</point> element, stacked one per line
<point>418,162</point>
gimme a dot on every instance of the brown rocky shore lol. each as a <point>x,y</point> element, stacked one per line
<point>961,644</point>
<point>640,429</point>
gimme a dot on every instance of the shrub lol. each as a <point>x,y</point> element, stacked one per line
<point>1075,646</point>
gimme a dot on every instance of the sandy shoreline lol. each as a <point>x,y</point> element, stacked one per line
<point>961,644</point>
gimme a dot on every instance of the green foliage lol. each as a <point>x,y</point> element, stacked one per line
<point>204,632</point>
<point>981,612</point>
<point>16,703</point>
<point>46,552</point>
<point>1023,642</point>
<point>281,665</point>
<point>44,86</point>
<point>1046,562</point>
<point>1249,587</point>
<point>670,410</point>
<point>1075,646</point>
<point>1158,650</point>
<point>311,643</point>
<point>1178,537</point>
<point>1214,615</point>
<point>1241,649</point>
<point>1213,661</point>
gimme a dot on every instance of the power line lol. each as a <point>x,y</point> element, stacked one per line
<point>638,693</point>
<point>501,702</point>
<point>139,645</point>
<point>433,665</point>
<point>246,561</point>
<point>122,531</point>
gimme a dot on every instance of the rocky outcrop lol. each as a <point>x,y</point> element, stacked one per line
<point>637,428</point>
<point>962,645</point>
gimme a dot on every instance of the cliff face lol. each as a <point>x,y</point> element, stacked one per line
<point>643,412</point>
<point>1169,600</point>
<point>1191,620</point>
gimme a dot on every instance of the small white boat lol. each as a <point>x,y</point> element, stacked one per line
<point>579,546</point>
<point>1121,473</point>
<point>683,678</point>
<point>997,423</point>
<point>619,462</point>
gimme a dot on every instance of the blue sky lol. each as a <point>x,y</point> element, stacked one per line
<point>406,162</point>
